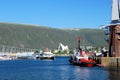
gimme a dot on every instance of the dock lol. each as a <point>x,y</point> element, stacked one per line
<point>113,62</point>
<point>112,31</point>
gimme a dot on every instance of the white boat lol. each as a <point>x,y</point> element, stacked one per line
<point>5,57</point>
<point>47,54</point>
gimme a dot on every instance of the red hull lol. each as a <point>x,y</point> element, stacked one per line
<point>83,62</point>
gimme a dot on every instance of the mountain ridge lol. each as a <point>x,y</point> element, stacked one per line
<point>31,36</point>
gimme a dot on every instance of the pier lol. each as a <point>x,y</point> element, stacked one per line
<point>113,37</point>
<point>111,61</point>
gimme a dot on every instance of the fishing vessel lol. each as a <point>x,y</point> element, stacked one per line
<point>81,57</point>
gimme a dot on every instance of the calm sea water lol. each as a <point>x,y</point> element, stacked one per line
<point>58,69</point>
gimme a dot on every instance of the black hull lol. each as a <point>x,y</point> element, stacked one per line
<point>48,58</point>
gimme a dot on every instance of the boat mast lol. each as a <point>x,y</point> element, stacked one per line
<point>78,38</point>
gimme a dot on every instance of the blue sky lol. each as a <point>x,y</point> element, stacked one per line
<point>57,13</point>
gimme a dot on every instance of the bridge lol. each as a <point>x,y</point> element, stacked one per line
<point>12,52</point>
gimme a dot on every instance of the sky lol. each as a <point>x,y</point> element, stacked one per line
<point>57,13</point>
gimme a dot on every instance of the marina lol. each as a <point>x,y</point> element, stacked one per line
<point>64,63</point>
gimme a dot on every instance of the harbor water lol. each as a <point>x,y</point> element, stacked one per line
<point>58,69</point>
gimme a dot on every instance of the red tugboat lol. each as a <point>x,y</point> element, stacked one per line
<point>81,58</point>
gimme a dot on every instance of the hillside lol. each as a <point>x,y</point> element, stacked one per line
<point>31,36</point>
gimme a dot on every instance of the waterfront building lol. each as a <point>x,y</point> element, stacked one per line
<point>113,31</point>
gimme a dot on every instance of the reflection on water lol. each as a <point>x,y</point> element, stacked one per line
<point>58,69</point>
<point>114,73</point>
<point>92,73</point>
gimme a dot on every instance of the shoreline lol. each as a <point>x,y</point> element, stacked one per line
<point>62,54</point>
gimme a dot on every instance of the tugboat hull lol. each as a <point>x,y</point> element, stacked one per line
<point>87,63</point>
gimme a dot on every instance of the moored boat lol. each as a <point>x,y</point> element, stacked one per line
<point>83,62</point>
<point>81,57</point>
<point>46,54</point>
<point>5,57</point>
